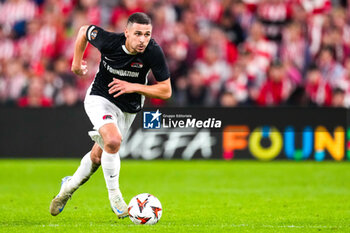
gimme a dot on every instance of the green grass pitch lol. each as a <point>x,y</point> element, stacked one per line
<point>197,196</point>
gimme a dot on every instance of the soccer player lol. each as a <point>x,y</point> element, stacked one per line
<point>113,99</point>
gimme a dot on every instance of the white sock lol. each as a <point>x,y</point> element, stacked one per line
<point>83,173</point>
<point>111,167</point>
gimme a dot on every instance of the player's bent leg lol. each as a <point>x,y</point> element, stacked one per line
<point>59,202</point>
<point>112,138</point>
<point>86,169</point>
<point>110,162</point>
<point>96,154</point>
<point>70,184</point>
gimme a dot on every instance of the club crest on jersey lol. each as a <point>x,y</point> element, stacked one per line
<point>93,34</point>
<point>106,117</point>
<point>136,65</point>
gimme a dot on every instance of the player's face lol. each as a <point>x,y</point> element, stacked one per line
<point>137,37</point>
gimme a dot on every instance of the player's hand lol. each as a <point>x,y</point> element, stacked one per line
<point>121,87</point>
<point>80,69</point>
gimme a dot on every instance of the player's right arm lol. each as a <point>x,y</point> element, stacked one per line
<point>79,66</point>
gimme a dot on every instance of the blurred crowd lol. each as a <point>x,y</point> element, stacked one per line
<point>220,52</point>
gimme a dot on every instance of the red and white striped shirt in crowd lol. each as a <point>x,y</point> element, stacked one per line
<point>316,6</point>
<point>319,93</point>
<point>14,80</point>
<point>237,85</point>
<point>295,53</point>
<point>315,9</point>
<point>39,44</point>
<point>13,11</point>
<point>263,52</point>
<point>7,49</point>
<point>274,15</point>
<point>274,12</point>
<point>294,46</point>
<point>210,10</point>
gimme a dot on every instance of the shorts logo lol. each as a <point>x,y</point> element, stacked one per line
<point>136,65</point>
<point>151,120</point>
<point>106,117</point>
<point>93,34</point>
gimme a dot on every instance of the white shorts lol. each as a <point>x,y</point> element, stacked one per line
<point>101,111</point>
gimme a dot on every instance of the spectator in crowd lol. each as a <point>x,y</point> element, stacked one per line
<point>274,14</point>
<point>7,45</point>
<point>213,69</point>
<point>331,70</point>
<point>35,95</point>
<point>52,84</point>
<point>164,17</point>
<point>262,51</point>
<point>318,90</point>
<point>232,27</point>
<point>217,38</point>
<point>344,82</point>
<point>176,53</point>
<point>192,90</point>
<point>338,98</point>
<point>255,77</point>
<point>316,17</point>
<point>333,39</point>
<point>14,79</point>
<point>294,49</point>
<point>277,88</point>
<point>61,68</point>
<point>68,96</point>
<point>339,17</point>
<point>236,85</point>
<point>227,99</point>
<point>192,30</point>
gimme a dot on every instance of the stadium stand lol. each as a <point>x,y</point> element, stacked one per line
<point>220,52</point>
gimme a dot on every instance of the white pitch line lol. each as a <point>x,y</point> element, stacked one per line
<point>51,225</point>
<point>259,226</point>
<point>293,226</point>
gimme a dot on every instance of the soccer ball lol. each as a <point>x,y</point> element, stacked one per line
<point>145,209</point>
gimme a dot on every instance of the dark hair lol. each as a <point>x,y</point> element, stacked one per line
<point>140,18</point>
<point>338,90</point>
<point>312,67</point>
<point>276,64</point>
<point>329,49</point>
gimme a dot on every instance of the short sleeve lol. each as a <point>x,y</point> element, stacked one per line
<point>159,67</point>
<point>99,38</point>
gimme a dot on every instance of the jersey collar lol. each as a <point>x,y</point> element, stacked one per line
<point>127,51</point>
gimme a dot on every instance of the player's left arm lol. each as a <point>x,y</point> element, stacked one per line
<point>160,90</point>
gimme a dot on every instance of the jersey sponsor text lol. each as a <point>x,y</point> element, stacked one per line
<point>126,73</point>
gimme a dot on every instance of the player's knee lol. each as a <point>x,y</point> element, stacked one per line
<point>112,145</point>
